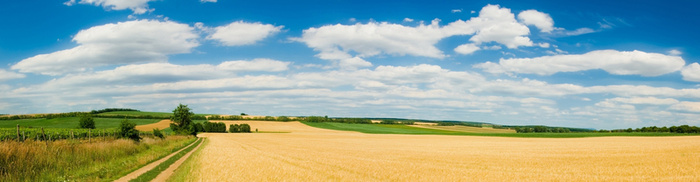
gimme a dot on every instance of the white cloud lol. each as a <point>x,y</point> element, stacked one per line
<point>644,100</point>
<point>540,20</point>
<point>691,72</point>
<point>612,61</point>
<point>674,52</point>
<point>137,6</point>
<point>243,33</point>
<point>8,75</point>
<point>687,106</point>
<point>338,42</point>
<point>110,44</point>
<point>335,41</point>
<point>207,1</point>
<point>494,24</point>
<point>456,11</point>
<point>407,20</point>
<point>260,64</point>
<point>467,48</point>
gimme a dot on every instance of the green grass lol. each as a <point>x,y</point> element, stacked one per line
<point>183,172</point>
<point>70,122</point>
<point>403,129</point>
<point>153,173</point>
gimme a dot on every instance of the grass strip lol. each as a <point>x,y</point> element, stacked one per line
<point>153,173</point>
<point>403,129</point>
<point>189,167</point>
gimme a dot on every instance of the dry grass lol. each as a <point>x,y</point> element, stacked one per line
<point>467,129</point>
<point>425,123</point>
<point>311,154</point>
<point>149,127</point>
<point>79,160</point>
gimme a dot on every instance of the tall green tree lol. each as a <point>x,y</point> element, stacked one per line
<point>182,118</point>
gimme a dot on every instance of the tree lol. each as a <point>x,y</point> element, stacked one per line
<point>86,121</point>
<point>182,118</point>
<point>128,130</point>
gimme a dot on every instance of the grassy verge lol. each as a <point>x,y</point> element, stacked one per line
<point>403,129</point>
<point>70,122</point>
<point>72,160</point>
<point>185,171</point>
<point>153,173</point>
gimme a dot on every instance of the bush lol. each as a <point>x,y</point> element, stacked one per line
<point>86,121</point>
<point>245,128</point>
<point>234,128</point>
<point>128,130</point>
<point>157,133</point>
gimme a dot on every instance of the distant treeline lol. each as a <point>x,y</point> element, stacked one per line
<point>111,110</point>
<point>47,116</point>
<point>672,129</point>
<point>544,129</point>
<point>236,117</point>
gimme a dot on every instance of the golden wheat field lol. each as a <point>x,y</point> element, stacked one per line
<point>162,124</point>
<point>312,154</point>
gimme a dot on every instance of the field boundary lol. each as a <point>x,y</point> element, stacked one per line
<point>135,174</point>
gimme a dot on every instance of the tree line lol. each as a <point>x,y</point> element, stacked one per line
<point>664,129</point>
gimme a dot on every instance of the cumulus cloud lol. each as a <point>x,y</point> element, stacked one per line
<point>691,72</point>
<point>338,42</point>
<point>8,75</point>
<point>110,44</point>
<point>467,48</point>
<point>207,1</point>
<point>612,61</point>
<point>407,20</point>
<point>674,52</point>
<point>540,20</point>
<point>243,33</point>
<point>260,64</point>
<point>137,6</point>
<point>687,106</point>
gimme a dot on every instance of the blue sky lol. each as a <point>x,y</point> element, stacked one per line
<point>593,64</point>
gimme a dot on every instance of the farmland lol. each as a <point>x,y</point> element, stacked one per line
<point>308,153</point>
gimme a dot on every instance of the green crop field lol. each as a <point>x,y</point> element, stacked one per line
<point>403,129</point>
<point>70,122</point>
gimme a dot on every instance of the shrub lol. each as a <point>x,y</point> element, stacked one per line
<point>86,121</point>
<point>157,133</point>
<point>182,117</point>
<point>245,128</point>
<point>128,130</point>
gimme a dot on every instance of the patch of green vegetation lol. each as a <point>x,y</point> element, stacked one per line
<point>153,173</point>
<point>182,173</point>
<point>70,122</point>
<point>403,129</point>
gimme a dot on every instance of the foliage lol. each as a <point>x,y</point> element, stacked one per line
<point>445,124</point>
<point>388,122</point>
<point>198,127</point>
<point>157,133</point>
<point>212,127</point>
<point>111,110</point>
<point>236,128</point>
<point>182,118</point>
<point>128,130</point>
<point>86,121</point>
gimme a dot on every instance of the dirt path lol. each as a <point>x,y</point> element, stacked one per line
<point>144,169</point>
<point>169,172</point>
